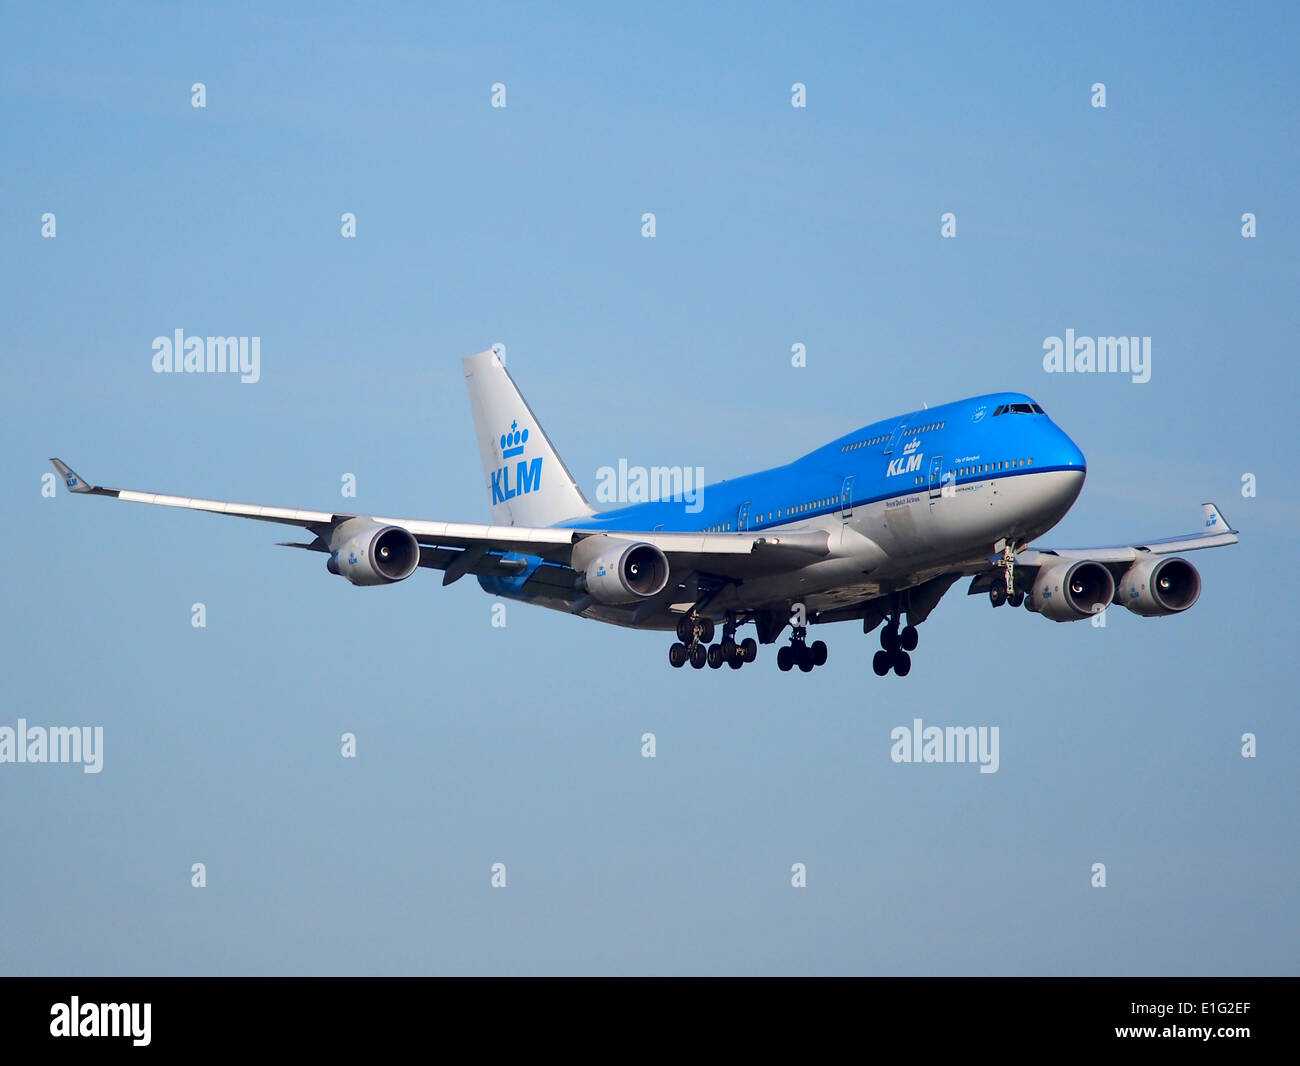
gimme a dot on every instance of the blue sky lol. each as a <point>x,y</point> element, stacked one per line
<point>522,226</point>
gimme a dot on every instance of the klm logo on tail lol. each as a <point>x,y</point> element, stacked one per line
<point>527,474</point>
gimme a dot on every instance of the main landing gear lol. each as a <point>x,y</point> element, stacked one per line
<point>693,636</point>
<point>1006,590</point>
<point>800,653</point>
<point>894,648</point>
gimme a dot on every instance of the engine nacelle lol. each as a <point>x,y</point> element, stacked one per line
<point>614,571</point>
<point>1154,586</point>
<point>1069,592</point>
<point>370,554</point>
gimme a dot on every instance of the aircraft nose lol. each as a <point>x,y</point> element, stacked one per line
<point>1065,453</point>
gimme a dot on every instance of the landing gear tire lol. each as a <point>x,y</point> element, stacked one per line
<point>785,659</point>
<point>909,638</point>
<point>706,629</point>
<point>729,648</point>
<point>818,650</point>
<point>749,648</point>
<point>716,658</point>
<point>889,637</point>
<point>677,655</point>
<point>881,663</point>
<point>736,662</point>
<point>1016,598</point>
<point>699,656</point>
<point>685,629</point>
<point>805,658</point>
<point>902,663</point>
<point>997,595</point>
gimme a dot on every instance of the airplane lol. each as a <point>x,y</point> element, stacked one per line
<point>873,527</point>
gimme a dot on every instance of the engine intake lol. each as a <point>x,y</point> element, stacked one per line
<point>1154,587</point>
<point>623,572</point>
<point>370,554</point>
<point>1068,592</point>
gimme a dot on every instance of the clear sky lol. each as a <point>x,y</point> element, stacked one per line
<point>522,225</point>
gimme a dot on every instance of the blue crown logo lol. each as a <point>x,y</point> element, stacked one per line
<point>512,443</point>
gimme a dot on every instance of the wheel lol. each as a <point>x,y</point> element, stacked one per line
<point>699,656</point>
<point>785,659</point>
<point>997,594</point>
<point>805,656</point>
<point>677,655</point>
<point>909,638</point>
<point>902,663</point>
<point>889,637</point>
<point>706,629</point>
<point>750,648</point>
<point>685,629</point>
<point>1016,598</point>
<point>881,663</point>
<point>716,658</point>
<point>819,653</point>
<point>736,662</point>
<point>729,647</point>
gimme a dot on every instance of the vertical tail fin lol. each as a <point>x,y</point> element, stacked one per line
<point>527,480</point>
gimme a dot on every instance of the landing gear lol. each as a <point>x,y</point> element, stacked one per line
<point>691,629</point>
<point>1006,591</point>
<point>800,653</point>
<point>693,645</point>
<point>894,646</point>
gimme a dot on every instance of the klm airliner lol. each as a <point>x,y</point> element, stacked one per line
<point>873,527</point>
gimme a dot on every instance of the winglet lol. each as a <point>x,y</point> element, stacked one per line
<point>1212,520</point>
<point>70,478</point>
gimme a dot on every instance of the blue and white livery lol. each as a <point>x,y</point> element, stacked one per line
<point>874,526</point>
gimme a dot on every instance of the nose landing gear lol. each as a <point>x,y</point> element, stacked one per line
<point>1006,590</point>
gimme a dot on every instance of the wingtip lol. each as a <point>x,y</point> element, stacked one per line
<point>74,481</point>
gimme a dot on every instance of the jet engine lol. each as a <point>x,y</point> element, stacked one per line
<point>1154,586</point>
<point>1068,592</point>
<point>367,553</point>
<point>623,572</point>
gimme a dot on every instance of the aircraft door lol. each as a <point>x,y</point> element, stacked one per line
<point>938,479</point>
<point>894,438</point>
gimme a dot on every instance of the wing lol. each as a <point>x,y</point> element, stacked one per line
<point>1214,533</point>
<point>461,547</point>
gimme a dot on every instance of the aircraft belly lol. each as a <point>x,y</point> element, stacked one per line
<point>884,545</point>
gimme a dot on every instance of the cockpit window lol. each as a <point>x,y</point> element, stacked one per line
<point>1018,409</point>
